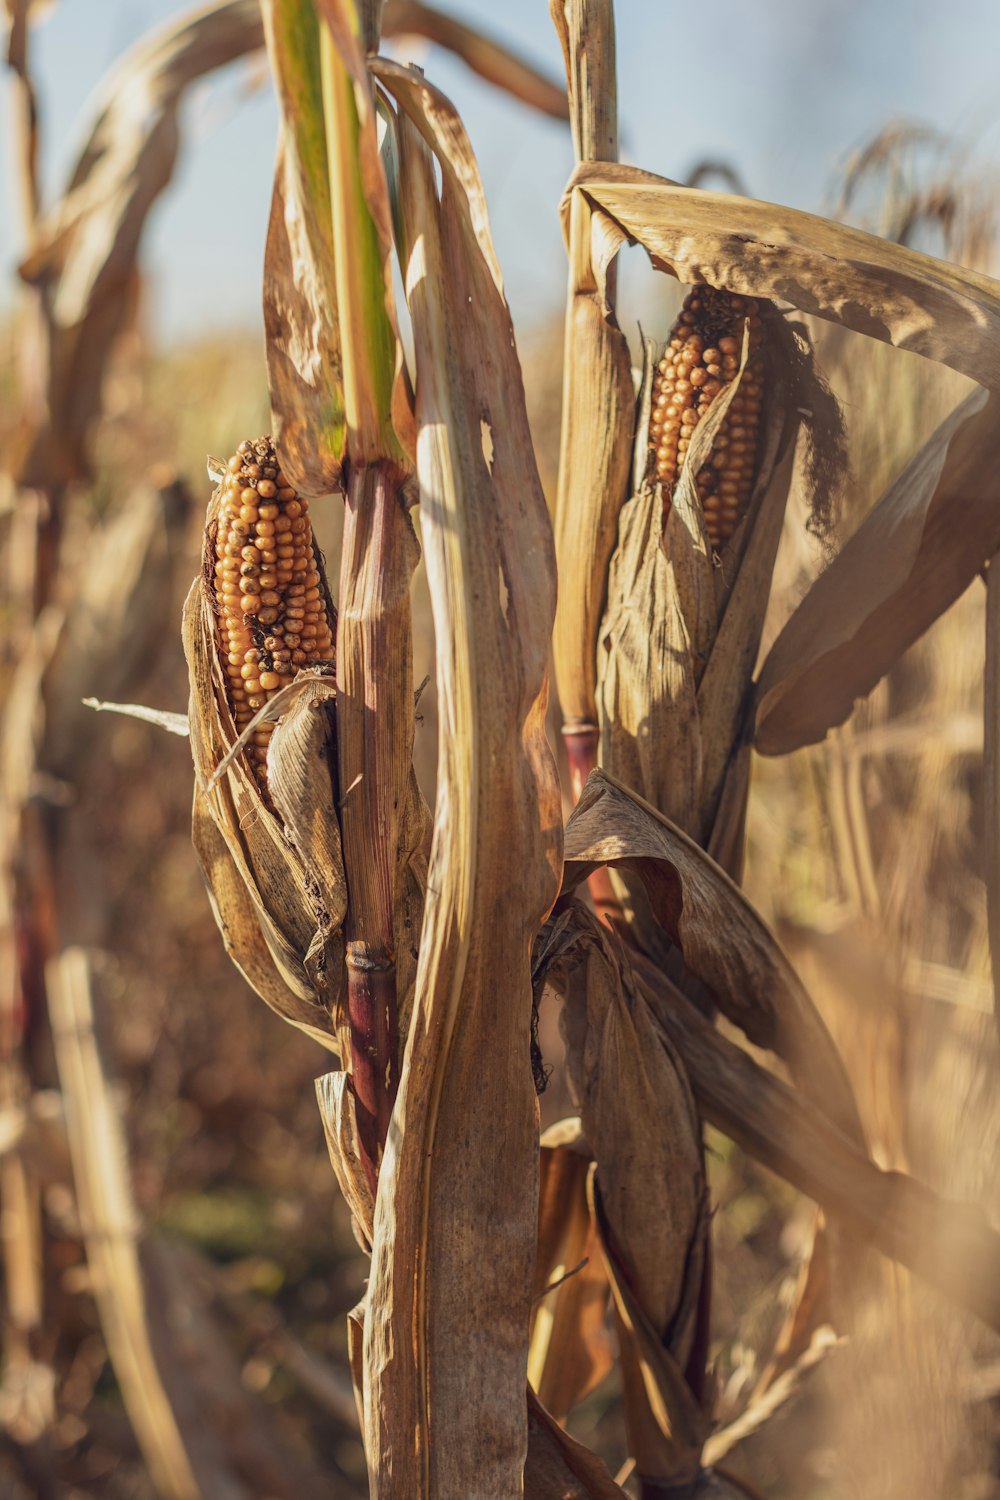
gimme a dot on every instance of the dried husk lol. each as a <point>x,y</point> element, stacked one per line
<point>918,549</point>
<point>680,634</point>
<point>274,870</point>
<point>647,1196</point>
<point>446,1331</point>
<point>752,981</point>
<point>571,1349</point>
<point>952,1245</point>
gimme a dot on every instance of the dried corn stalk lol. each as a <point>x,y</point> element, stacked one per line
<point>598,399</point>
<point>456,1207</point>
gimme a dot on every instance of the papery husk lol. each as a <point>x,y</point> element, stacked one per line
<point>870,285</point>
<point>446,1332</point>
<point>272,864</point>
<point>571,1348</point>
<point>724,943</point>
<point>647,1193</point>
<point>680,634</point>
<point>951,1244</point>
<point>336,1107</point>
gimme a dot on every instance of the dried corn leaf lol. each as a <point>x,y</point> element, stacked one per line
<point>598,398</point>
<point>84,250</point>
<point>274,871</point>
<point>648,1198</point>
<point>486,56</point>
<point>336,1107</point>
<point>914,554</point>
<point>900,296</point>
<point>723,941</point>
<point>456,1207</point>
<point>571,1348</point>
<point>952,1245</point>
<point>560,1468</point>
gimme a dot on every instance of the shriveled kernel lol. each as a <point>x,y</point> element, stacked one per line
<point>702,357</point>
<point>263,542</point>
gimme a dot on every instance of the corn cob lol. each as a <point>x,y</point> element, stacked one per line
<point>271,603</point>
<point>700,360</point>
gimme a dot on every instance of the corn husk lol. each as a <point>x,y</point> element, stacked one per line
<point>646,1194</point>
<point>273,865</point>
<point>571,1350</point>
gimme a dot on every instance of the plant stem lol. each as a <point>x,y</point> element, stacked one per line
<point>581,741</point>
<point>374,739</point>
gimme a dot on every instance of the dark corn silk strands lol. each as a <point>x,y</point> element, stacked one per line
<point>702,357</point>
<point>270,599</point>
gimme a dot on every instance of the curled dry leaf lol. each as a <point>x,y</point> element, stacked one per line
<point>648,1197</point>
<point>494,62</point>
<point>340,1126</point>
<point>899,296</point>
<point>952,1245</point>
<point>918,549</point>
<point>273,867</point>
<point>560,1468</point>
<point>84,250</point>
<point>456,1208</point>
<point>571,1348</point>
<point>723,941</point>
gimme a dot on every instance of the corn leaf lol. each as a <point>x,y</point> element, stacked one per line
<point>723,941</point>
<point>84,250</point>
<point>951,1245</point>
<point>486,56</point>
<point>872,286</point>
<point>456,1207</point>
<point>915,553</point>
<point>300,293</point>
<point>560,1468</point>
<point>571,1350</point>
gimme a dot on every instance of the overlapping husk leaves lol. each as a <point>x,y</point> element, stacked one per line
<point>273,864</point>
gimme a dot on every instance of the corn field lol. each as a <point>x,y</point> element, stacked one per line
<point>590,752</point>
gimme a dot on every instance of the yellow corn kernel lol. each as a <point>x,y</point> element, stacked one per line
<point>270,601</point>
<point>701,358</point>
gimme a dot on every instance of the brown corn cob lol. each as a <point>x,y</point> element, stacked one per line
<point>270,600</point>
<point>700,360</point>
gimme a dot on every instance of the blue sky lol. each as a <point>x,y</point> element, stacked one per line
<point>781,89</point>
